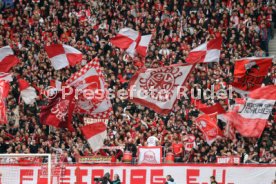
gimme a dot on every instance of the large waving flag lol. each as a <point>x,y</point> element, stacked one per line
<point>27,92</point>
<point>7,59</point>
<point>206,52</point>
<point>59,111</point>
<point>63,55</point>
<point>250,72</point>
<point>207,124</point>
<point>157,88</point>
<point>252,119</point>
<point>131,41</point>
<point>95,134</point>
<point>216,108</point>
<point>90,79</point>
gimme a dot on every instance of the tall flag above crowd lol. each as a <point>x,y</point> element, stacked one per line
<point>250,72</point>
<point>131,41</point>
<point>90,77</point>
<point>206,52</point>
<point>157,88</point>
<point>62,55</point>
<point>7,59</point>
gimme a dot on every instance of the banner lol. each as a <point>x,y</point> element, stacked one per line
<point>143,174</point>
<point>150,155</point>
<point>94,159</point>
<point>88,121</point>
<point>228,160</point>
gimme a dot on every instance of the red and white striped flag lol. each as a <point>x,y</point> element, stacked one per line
<point>95,134</point>
<point>131,41</point>
<point>7,59</point>
<point>6,76</point>
<point>206,52</point>
<point>252,119</point>
<point>63,55</point>
<point>90,78</point>
<point>27,92</point>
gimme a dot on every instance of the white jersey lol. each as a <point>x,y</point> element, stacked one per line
<point>152,141</point>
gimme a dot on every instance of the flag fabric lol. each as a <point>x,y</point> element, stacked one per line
<point>252,119</point>
<point>216,108</point>
<point>4,89</point>
<point>207,124</point>
<point>6,76</point>
<point>229,130</point>
<point>95,134</point>
<point>59,111</point>
<point>27,92</point>
<point>63,55</point>
<point>131,41</point>
<point>157,88</point>
<point>7,59</point>
<point>250,72</point>
<point>91,80</point>
<point>206,52</point>
<point>56,85</point>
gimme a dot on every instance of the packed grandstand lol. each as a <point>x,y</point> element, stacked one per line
<point>112,37</point>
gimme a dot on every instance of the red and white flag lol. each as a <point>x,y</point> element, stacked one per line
<point>131,41</point>
<point>59,111</point>
<point>249,73</point>
<point>158,88</point>
<point>207,124</point>
<point>7,59</point>
<point>95,134</point>
<point>4,90</point>
<point>92,93</point>
<point>252,119</point>
<point>6,76</point>
<point>229,130</point>
<point>63,55</point>
<point>27,92</point>
<point>206,52</point>
<point>55,84</point>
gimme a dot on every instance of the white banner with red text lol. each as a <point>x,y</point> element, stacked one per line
<point>142,174</point>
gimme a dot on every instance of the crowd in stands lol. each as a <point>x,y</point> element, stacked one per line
<point>177,26</point>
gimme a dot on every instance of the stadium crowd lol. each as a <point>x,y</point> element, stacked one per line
<point>177,26</point>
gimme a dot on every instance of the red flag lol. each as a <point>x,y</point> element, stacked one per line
<point>59,112</point>
<point>206,52</point>
<point>63,55</point>
<point>7,59</point>
<point>90,78</point>
<point>250,72</point>
<point>27,92</point>
<point>217,108</point>
<point>95,134</point>
<point>252,119</point>
<point>157,88</point>
<point>229,130</point>
<point>207,124</point>
<point>132,41</point>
